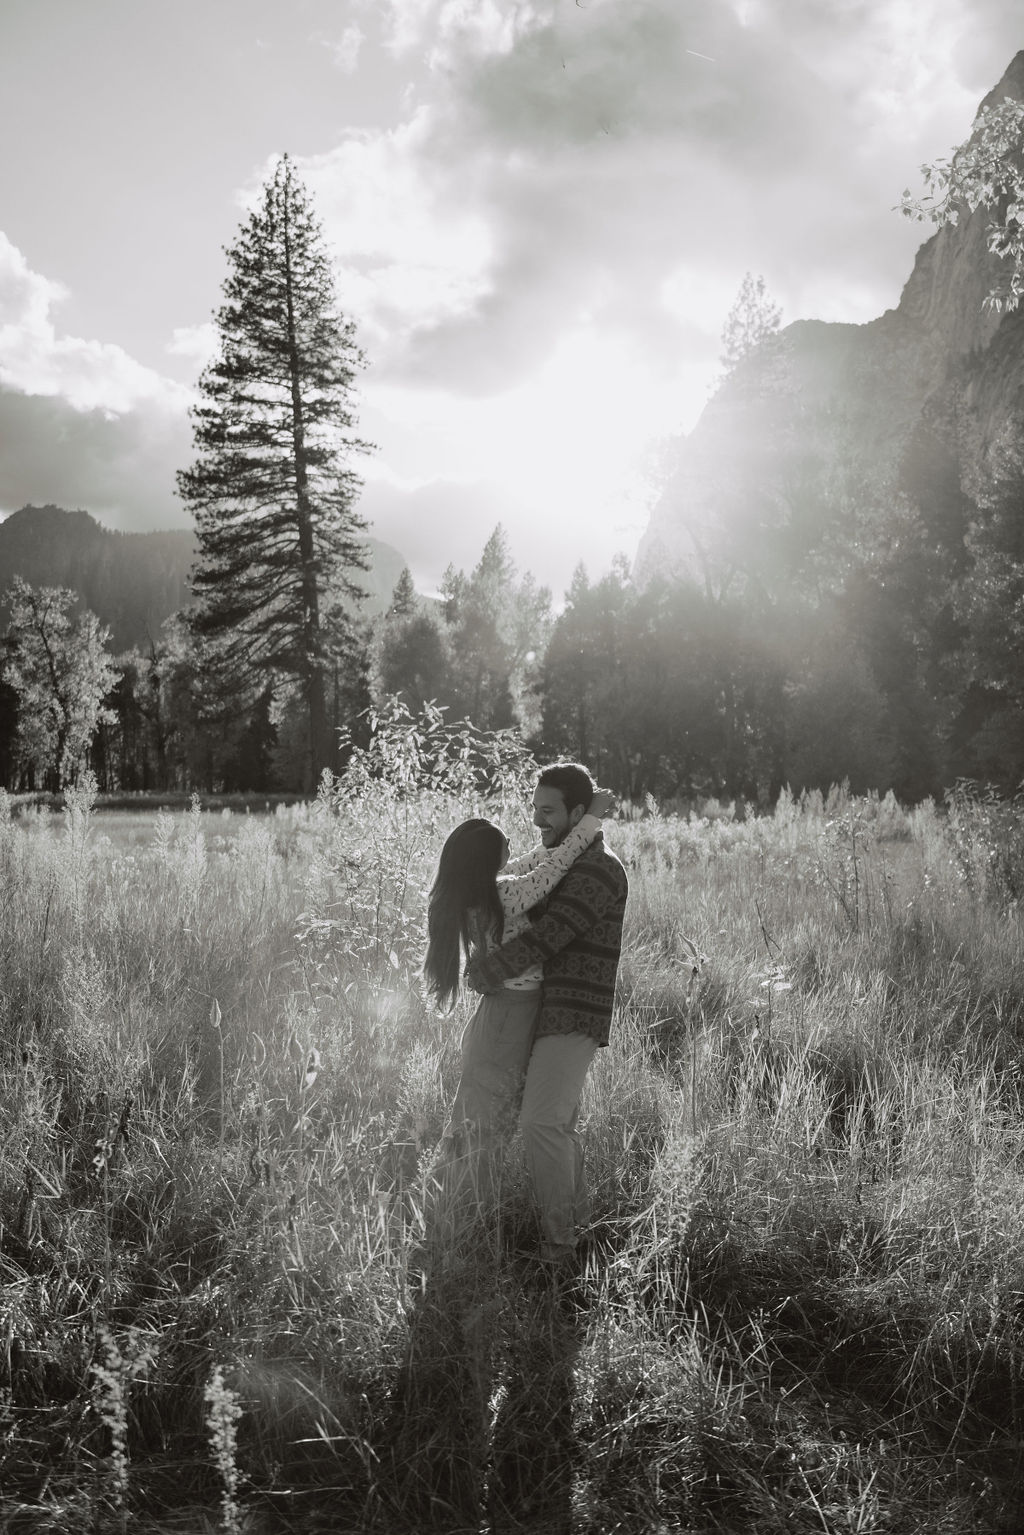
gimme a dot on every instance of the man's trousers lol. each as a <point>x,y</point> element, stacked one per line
<point>551,1142</point>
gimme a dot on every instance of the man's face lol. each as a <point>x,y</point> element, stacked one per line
<point>550,814</point>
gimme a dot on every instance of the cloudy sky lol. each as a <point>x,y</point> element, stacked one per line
<point>540,211</point>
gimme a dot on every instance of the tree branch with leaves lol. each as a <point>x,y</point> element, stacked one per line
<point>59,668</point>
<point>986,172</point>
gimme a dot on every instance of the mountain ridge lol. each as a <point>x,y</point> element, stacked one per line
<point>132,581</point>
<point>832,403</point>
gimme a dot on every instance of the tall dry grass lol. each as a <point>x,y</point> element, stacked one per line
<point>221,1089</point>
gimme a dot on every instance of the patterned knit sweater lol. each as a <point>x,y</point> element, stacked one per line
<point>577,938</point>
<point>525,881</point>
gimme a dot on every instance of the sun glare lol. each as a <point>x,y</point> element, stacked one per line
<point>566,450</point>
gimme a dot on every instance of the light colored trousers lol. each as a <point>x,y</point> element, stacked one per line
<point>502,1061</point>
<point>496,1048</point>
<point>552,1144</point>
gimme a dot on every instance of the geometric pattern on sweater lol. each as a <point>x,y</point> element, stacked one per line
<point>577,938</point>
<point>527,880</point>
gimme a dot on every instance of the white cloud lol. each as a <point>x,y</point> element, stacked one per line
<point>25,296</point>
<point>347,49</point>
<point>83,424</point>
<point>197,343</point>
<point>559,459</point>
<point>445,30</point>
<point>699,296</point>
<point>89,375</point>
<point>412,249</point>
<point>547,175</point>
<point>604,147</point>
<point>118,466</point>
<point>540,257</point>
<point>541,251</point>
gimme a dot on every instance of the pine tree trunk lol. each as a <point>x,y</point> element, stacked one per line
<point>319,730</point>
<point>319,738</point>
<point>269,488</point>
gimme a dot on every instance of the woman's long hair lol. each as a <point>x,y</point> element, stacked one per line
<point>463,908</point>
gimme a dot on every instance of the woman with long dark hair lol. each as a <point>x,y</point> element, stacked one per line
<point>464,903</point>
<point>478,899</point>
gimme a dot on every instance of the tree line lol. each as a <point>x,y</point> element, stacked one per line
<point>902,670</point>
<point>870,637</point>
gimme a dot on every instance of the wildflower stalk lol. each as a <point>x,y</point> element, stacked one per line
<point>215,1024</point>
<point>112,1379</point>
<point>224,1411</point>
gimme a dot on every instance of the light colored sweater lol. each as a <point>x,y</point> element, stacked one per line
<point>578,939</point>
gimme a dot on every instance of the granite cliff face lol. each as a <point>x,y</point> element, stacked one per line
<point>822,418</point>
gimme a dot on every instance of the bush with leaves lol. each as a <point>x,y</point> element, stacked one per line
<point>986,835</point>
<point>379,827</point>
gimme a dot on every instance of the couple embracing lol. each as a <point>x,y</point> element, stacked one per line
<point>542,935</point>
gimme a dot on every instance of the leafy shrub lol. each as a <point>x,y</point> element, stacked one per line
<point>986,834</point>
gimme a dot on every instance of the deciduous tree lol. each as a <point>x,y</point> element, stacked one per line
<point>986,172</point>
<point>61,672</point>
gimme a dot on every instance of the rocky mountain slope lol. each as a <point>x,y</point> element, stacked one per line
<point>132,581</point>
<point>825,417</point>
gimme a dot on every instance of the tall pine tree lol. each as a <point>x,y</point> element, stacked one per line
<point>751,320</point>
<point>271,488</point>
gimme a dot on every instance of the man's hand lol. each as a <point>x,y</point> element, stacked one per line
<point>602,804</point>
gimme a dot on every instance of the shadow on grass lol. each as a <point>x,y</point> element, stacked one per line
<point>482,1429</point>
<point>934,1401</point>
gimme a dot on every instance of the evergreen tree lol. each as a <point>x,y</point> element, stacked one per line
<point>121,754</point>
<point>347,646</point>
<point>413,659</point>
<point>751,320</point>
<point>662,689</point>
<point>479,652</point>
<point>453,593</point>
<point>182,696</point>
<point>271,488</point>
<point>403,598</point>
<point>8,732</point>
<point>498,625</point>
<point>574,663</point>
<point>988,732</point>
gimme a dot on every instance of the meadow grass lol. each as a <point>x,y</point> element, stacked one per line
<point>221,1090</point>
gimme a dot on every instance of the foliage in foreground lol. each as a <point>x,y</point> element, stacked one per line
<point>983,173</point>
<point>220,1090</point>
